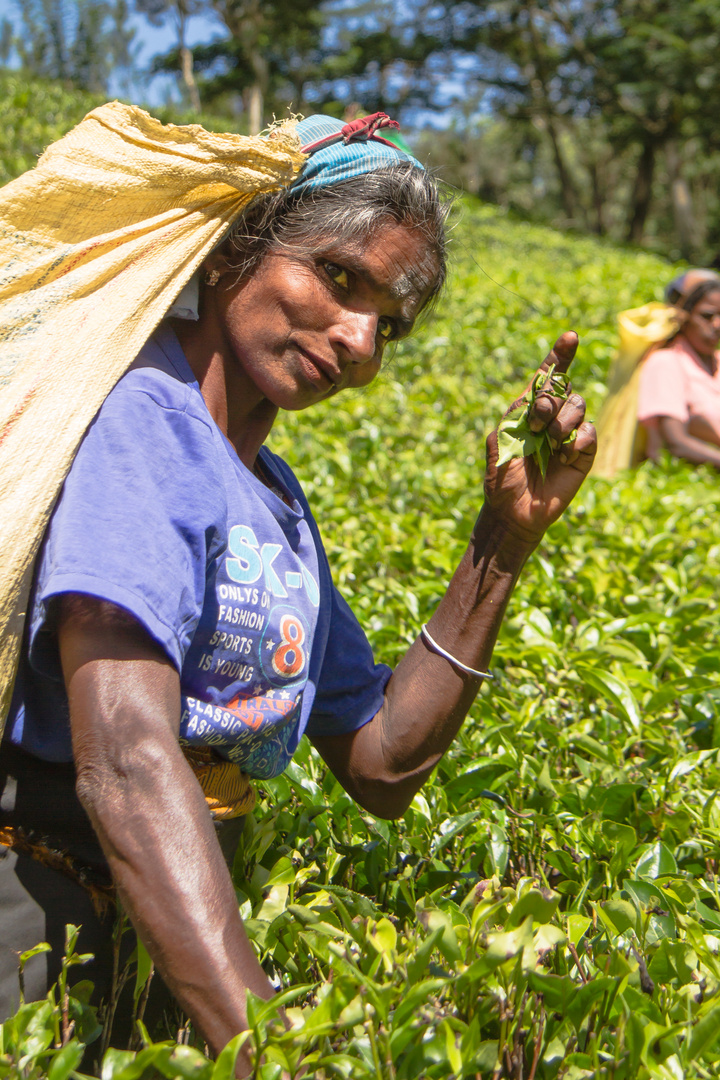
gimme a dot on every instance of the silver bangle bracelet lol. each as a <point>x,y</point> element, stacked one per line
<point>448,656</point>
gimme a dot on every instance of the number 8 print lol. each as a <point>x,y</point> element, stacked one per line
<point>288,659</point>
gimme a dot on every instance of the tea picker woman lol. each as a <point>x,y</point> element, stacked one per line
<point>679,393</point>
<point>184,626</point>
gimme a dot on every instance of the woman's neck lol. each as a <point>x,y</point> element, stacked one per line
<point>707,359</point>
<point>241,412</point>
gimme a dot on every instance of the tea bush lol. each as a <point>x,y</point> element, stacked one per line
<point>549,905</point>
<point>35,112</point>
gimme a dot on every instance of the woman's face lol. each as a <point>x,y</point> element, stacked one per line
<point>303,327</point>
<point>702,329</point>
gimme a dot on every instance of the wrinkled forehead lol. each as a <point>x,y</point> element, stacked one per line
<point>402,253</point>
<point>420,275</point>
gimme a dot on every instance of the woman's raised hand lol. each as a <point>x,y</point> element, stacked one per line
<point>517,493</point>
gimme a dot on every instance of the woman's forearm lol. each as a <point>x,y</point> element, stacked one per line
<point>151,818</point>
<point>687,446</point>
<point>155,830</point>
<point>428,697</point>
<point>385,762</point>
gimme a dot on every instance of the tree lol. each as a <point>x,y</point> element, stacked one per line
<point>654,70</point>
<point>378,54</point>
<point>80,43</point>
<point>522,59</point>
<point>640,74</point>
<point>270,52</point>
<point>179,12</point>
<point>311,54</point>
<point>272,48</point>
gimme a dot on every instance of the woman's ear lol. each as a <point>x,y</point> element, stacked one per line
<point>215,266</point>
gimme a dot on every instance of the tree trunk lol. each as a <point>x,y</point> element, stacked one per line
<point>642,194</point>
<point>567,191</point>
<point>539,88</point>
<point>682,204</point>
<point>186,66</point>
<point>181,10</point>
<point>297,102</point>
<point>597,198</point>
<point>260,69</point>
<point>255,109</point>
<point>246,20</point>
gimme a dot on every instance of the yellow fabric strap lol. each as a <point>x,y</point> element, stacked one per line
<point>95,244</point>
<point>227,789</point>
<point>620,438</point>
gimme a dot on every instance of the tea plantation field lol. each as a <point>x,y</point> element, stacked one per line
<point>549,906</point>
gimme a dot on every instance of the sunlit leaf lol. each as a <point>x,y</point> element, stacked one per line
<point>655,860</point>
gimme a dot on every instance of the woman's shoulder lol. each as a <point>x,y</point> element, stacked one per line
<point>161,382</point>
<point>667,356</point>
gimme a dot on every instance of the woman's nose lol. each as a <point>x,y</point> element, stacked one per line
<point>356,335</point>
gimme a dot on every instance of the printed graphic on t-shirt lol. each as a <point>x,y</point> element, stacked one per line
<point>244,675</point>
<point>159,516</point>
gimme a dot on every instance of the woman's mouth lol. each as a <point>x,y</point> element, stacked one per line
<point>317,371</point>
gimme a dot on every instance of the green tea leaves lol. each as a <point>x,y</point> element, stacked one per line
<point>516,439</point>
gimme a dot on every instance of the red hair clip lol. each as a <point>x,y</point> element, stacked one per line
<point>360,130</point>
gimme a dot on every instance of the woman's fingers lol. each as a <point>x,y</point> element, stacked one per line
<point>581,451</point>
<point>562,353</point>
<point>559,415</point>
<point>544,410</point>
<point>546,404</point>
<point>569,417</point>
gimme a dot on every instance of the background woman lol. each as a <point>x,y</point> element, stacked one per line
<point>679,395</point>
<point>184,624</point>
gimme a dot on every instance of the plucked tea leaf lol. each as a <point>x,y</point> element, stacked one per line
<point>516,440</point>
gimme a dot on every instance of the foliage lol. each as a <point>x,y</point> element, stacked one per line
<point>516,437</point>
<point>179,12</point>
<point>590,114</point>
<point>549,905</point>
<point>80,43</point>
<point>33,114</point>
<point>272,51</point>
<point>314,55</point>
<point>48,1038</point>
<point>606,103</point>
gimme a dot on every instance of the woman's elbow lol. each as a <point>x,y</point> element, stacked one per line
<point>112,779</point>
<point>390,797</point>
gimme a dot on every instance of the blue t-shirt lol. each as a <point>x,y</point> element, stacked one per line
<point>159,516</point>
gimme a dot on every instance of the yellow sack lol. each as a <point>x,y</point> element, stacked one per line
<point>95,244</point>
<point>620,438</point>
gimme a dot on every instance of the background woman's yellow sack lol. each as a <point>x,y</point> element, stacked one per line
<point>95,244</point>
<point>620,440</point>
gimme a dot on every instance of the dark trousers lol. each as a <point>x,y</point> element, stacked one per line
<point>38,801</point>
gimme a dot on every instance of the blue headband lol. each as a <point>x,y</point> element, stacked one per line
<point>341,151</point>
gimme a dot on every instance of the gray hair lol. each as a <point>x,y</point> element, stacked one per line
<point>351,211</point>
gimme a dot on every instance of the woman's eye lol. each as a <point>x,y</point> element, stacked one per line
<point>337,275</point>
<point>386,329</point>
